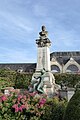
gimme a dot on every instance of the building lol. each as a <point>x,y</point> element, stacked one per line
<point>20,67</point>
<point>61,62</point>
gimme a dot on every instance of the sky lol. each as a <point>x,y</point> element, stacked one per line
<point>21,21</point>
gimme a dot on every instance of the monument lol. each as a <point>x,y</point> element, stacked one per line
<point>43,80</point>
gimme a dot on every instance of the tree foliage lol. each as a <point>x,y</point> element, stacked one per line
<point>54,109</point>
<point>73,109</point>
<point>22,80</point>
<point>9,78</point>
<point>69,80</point>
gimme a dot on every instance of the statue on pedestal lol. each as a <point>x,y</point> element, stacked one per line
<point>43,38</point>
<point>43,34</point>
<point>43,80</point>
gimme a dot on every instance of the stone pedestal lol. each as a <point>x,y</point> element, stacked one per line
<point>67,93</point>
<point>43,58</point>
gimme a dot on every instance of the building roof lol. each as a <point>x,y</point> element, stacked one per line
<point>64,57</point>
<point>15,66</point>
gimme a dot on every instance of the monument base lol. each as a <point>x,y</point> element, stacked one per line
<point>49,85</point>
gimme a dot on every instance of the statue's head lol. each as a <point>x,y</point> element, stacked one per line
<point>43,28</point>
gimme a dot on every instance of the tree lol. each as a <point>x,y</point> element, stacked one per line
<point>73,109</point>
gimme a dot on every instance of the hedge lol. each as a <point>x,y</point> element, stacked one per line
<point>22,80</point>
<point>69,80</point>
<point>54,109</point>
<point>73,109</point>
<point>9,78</point>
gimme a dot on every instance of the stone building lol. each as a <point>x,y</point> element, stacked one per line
<point>20,67</point>
<point>61,62</point>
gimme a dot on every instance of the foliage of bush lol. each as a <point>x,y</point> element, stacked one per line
<point>28,107</point>
<point>22,80</point>
<point>73,109</point>
<point>54,109</point>
<point>68,79</point>
<point>21,107</point>
<point>9,78</point>
<point>6,78</point>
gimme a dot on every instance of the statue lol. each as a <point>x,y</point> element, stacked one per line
<point>37,82</point>
<point>43,38</point>
<point>43,34</point>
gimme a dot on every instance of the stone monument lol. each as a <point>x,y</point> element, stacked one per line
<point>43,80</point>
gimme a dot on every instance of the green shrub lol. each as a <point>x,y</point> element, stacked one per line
<point>54,109</point>
<point>21,106</point>
<point>69,80</point>
<point>73,109</point>
<point>6,78</point>
<point>22,80</point>
<point>6,82</point>
<point>9,78</point>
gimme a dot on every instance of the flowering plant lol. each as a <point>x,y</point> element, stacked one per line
<point>21,106</point>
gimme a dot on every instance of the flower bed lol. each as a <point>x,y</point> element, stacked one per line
<point>21,106</point>
<point>30,106</point>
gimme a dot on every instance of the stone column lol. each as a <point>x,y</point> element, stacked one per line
<point>43,55</point>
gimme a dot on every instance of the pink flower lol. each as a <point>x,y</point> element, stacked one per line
<point>15,106</point>
<point>20,97</point>
<point>16,109</point>
<point>42,102</point>
<point>24,97</point>
<point>33,94</point>
<point>21,108</point>
<point>3,98</point>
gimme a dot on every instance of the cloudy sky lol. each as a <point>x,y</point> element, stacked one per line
<point>21,21</point>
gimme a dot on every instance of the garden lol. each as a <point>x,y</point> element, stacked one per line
<point>30,106</point>
<point>27,106</point>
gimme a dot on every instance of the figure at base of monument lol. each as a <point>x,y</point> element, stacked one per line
<point>37,83</point>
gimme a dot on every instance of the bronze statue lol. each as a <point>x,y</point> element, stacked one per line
<point>37,82</point>
<point>43,34</point>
